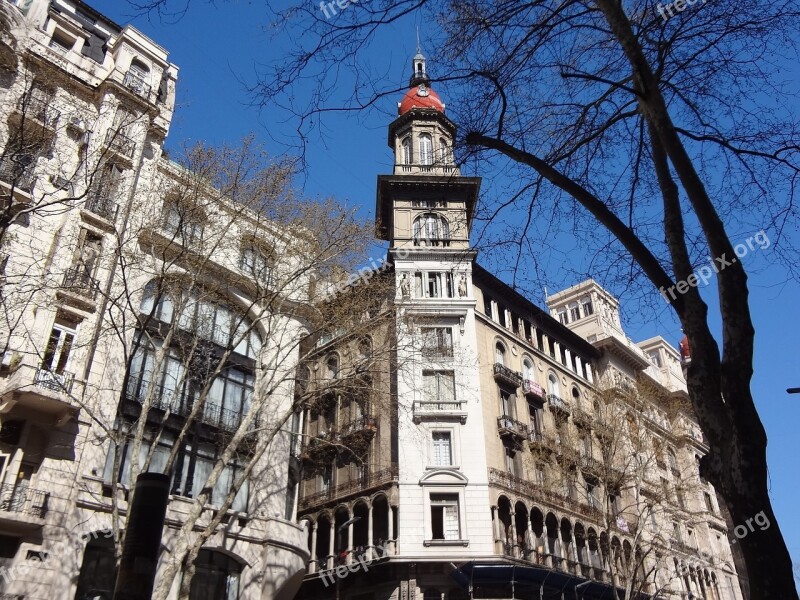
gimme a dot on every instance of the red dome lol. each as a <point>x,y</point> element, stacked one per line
<point>420,97</point>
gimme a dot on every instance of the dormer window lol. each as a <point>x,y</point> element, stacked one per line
<point>425,149</point>
<point>431,230</point>
<point>407,154</point>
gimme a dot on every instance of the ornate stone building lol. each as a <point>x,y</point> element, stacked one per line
<point>506,451</point>
<point>89,234</point>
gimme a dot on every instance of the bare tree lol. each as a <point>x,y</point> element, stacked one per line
<point>210,287</point>
<point>641,118</point>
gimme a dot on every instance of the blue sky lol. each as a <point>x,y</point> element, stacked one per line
<point>218,50</point>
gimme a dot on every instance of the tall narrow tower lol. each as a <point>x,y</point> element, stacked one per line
<point>425,211</point>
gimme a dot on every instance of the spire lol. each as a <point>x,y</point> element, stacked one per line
<point>419,75</point>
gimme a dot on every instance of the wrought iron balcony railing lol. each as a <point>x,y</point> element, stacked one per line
<point>56,382</point>
<point>17,170</point>
<point>532,389</point>
<point>557,404</point>
<point>102,206</point>
<point>509,426</point>
<point>136,83</point>
<point>19,498</point>
<point>364,424</point>
<point>39,109</point>
<point>120,143</point>
<point>176,402</point>
<point>358,485</point>
<point>79,281</point>
<point>506,375</point>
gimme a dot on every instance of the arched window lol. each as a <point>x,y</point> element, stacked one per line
<point>431,229</point>
<point>552,385</point>
<point>527,369</point>
<point>216,577</point>
<point>500,354</point>
<point>138,78</point>
<point>98,569</point>
<point>574,312</point>
<point>407,154</point>
<point>576,393</point>
<point>425,149</point>
<point>332,367</point>
<point>445,153</point>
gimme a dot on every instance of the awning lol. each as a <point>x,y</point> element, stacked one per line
<point>529,581</point>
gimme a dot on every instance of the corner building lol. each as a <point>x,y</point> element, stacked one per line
<point>86,106</point>
<point>509,451</point>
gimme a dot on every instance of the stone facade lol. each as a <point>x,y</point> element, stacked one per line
<point>521,450</point>
<point>88,227</point>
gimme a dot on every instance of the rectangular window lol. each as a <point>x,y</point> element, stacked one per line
<point>506,404</point>
<point>562,316</point>
<point>59,346</point>
<point>539,474</point>
<point>676,531</point>
<point>432,285</point>
<point>501,315</point>
<point>442,449</point>
<point>438,386</point>
<point>574,313</point>
<point>487,306</point>
<point>255,262</point>
<point>444,517</point>
<point>588,309</point>
<point>536,415</point>
<point>709,504</point>
<point>437,341</point>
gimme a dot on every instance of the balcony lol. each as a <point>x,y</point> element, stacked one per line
<point>103,207</point>
<point>320,447</point>
<point>120,144</point>
<point>557,405</point>
<point>503,374</point>
<point>167,399</point>
<point>581,416</point>
<point>39,389</point>
<point>22,505</point>
<point>532,389</point>
<point>16,170</point>
<point>360,485</point>
<point>55,382</point>
<point>136,83</point>
<point>538,440</point>
<point>446,410</point>
<point>591,465</point>
<point>511,428</point>
<point>38,110</point>
<point>364,427</point>
<point>78,281</point>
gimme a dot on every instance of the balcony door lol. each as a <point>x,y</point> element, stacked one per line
<point>59,347</point>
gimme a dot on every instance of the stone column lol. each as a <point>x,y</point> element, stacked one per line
<point>512,530</point>
<point>313,566</point>
<point>495,530</point>
<point>331,544</point>
<point>349,556</point>
<point>370,541</point>
<point>390,542</point>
